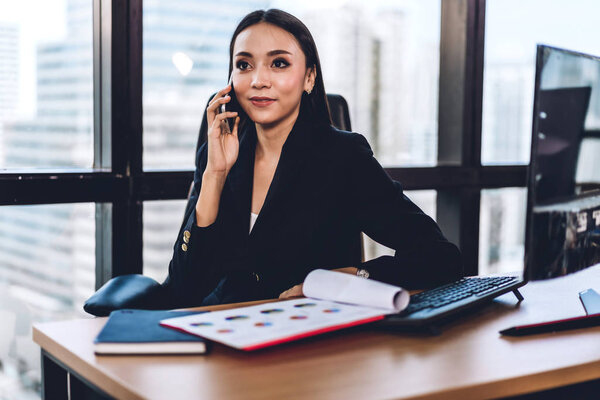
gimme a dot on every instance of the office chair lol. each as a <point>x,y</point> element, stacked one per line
<point>142,292</point>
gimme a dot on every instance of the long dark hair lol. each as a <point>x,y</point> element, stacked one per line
<point>314,104</point>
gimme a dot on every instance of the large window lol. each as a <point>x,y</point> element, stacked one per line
<point>47,252</point>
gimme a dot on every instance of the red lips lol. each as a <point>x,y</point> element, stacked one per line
<point>260,101</point>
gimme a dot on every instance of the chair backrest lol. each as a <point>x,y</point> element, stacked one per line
<point>340,117</point>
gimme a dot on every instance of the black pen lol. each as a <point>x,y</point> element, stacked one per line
<point>551,326</point>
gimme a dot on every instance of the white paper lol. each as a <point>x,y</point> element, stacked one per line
<point>267,324</point>
<point>352,289</point>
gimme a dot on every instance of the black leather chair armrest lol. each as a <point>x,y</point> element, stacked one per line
<point>126,291</point>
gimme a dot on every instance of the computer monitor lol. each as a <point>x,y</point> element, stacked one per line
<point>563,204</point>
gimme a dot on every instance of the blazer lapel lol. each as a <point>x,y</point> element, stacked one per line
<point>241,177</point>
<point>294,155</point>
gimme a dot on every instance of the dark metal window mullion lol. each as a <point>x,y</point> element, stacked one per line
<point>126,135</point>
<point>459,138</point>
<point>118,134</point>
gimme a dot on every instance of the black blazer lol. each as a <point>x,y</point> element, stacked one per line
<point>327,188</point>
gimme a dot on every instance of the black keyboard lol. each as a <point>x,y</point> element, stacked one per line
<point>444,301</point>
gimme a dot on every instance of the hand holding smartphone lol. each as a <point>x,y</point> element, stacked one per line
<point>222,138</point>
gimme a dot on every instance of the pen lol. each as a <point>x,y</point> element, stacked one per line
<point>552,326</point>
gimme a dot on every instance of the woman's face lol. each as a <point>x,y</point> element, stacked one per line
<point>269,73</point>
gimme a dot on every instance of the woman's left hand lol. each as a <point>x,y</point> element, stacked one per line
<point>296,291</point>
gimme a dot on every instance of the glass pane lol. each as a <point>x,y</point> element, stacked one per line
<point>185,51</point>
<point>46,86</point>
<point>46,273</point>
<point>502,230</point>
<point>425,199</point>
<point>382,56</point>
<point>162,220</point>
<point>513,28</point>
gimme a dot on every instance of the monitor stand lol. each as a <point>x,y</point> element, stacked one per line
<point>591,301</point>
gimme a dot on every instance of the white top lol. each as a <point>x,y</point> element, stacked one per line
<point>252,220</point>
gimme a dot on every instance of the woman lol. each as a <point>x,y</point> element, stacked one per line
<point>293,193</point>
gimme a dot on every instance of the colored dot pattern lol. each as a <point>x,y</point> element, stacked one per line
<point>301,305</point>
<point>201,324</point>
<point>272,311</point>
<point>264,324</point>
<point>236,317</point>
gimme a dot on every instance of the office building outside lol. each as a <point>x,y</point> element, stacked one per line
<point>9,74</point>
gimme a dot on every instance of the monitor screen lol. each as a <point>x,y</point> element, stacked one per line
<point>563,208</point>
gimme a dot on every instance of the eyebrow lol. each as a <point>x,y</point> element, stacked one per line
<point>270,53</point>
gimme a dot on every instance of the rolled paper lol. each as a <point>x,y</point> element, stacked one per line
<point>351,289</point>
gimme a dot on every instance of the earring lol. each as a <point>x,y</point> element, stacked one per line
<point>308,91</point>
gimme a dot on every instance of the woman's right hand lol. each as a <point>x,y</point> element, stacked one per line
<point>222,148</point>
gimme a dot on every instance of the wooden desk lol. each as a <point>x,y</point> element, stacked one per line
<point>469,360</point>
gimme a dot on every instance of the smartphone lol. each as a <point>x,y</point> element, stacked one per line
<point>225,128</point>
